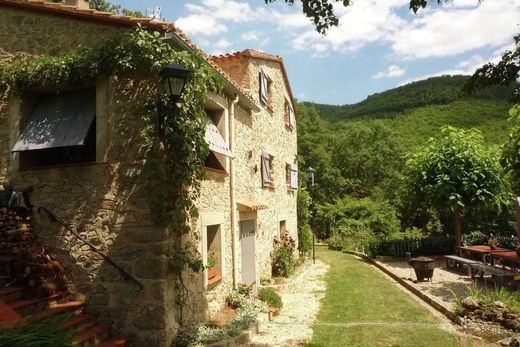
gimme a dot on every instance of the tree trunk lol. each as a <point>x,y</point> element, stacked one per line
<point>458,234</point>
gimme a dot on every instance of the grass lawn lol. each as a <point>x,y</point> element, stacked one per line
<point>359,293</point>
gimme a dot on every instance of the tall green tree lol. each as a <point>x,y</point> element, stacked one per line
<point>456,172</point>
<point>505,72</point>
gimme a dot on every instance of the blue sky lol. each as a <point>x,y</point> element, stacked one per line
<point>378,45</point>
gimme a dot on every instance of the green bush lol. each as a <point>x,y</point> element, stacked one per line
<point>304,240</point>
<point>304,229</point>
<point>270,297</point>
<point>248,310</point>
<point>475,238</point>
<point>336,243</point>
<point>350,213</point>
<point>284,263</point>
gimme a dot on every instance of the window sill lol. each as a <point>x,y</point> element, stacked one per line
<point>215,280</point>
<point>270,187</point>
<point>64,166</point>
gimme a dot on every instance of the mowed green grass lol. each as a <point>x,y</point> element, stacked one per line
<point>359,293</point>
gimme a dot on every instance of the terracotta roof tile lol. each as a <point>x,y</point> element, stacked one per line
<point>258,55</point>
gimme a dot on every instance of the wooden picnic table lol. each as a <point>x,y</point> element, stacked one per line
<point>483,251</point>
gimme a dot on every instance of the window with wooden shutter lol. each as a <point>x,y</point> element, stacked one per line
<point>292,117</point>
<point>264,87</point>
<point>267,170</point>
<point>294,177</point>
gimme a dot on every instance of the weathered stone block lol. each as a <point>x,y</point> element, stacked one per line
<point>125,293</point>
<point>150,318</point>
<point>147,234</point>
<point>152,268</point>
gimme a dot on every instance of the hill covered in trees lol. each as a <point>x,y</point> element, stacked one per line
<point>433,91</point>
<point>359,151</point>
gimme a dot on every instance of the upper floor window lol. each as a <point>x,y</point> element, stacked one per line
<point>267,170</point>
<point>290,119</point>
<point>57,128</point>
<point>215,137</point>
<point>291,176</point>
<point>265,88</point>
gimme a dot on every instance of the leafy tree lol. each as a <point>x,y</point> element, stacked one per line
<point>511,149</point>
<point>304,229</point>
<point>348,214</point>
<point>457,172</point>
<point>505,72</point>
<point>370,157</point>
<point>313,150</point>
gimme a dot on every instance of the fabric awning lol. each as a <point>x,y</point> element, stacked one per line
<point>215,140</point>
<point>59,120</point>
<point>246,206</point>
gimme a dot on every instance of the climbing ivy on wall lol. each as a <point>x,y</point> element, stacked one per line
<point>173,161</point>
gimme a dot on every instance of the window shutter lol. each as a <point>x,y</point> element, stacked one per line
<point>263,87</point>
<point>266,174</point>
<point>294,176</point>
<point>292,118</point>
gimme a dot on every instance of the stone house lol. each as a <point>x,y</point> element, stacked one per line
<point>248,196</point>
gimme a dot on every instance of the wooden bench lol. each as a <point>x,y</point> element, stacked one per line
<point>482,269</point>
<point>454,260</point>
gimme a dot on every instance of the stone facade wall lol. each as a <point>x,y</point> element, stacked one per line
<point>105,201</point>
<point>255,133</point>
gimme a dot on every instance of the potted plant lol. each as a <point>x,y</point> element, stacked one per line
<point>212,265</point>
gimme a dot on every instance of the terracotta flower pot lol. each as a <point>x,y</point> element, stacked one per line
<point>212,273</point>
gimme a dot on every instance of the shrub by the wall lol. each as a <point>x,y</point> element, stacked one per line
<point>284,262</point>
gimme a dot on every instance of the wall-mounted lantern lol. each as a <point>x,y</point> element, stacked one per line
<point>174,78</point>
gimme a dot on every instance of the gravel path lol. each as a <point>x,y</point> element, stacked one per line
<point>301,302</point>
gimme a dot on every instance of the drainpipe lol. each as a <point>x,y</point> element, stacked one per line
<point>233,218</point>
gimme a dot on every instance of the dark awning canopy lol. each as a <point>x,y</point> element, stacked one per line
<point>59,120</point>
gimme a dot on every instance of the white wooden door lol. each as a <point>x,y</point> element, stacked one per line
<point>247,247</point>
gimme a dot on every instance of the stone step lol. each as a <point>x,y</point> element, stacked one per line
<point>9,294</point>
<point>4,279</point>
<point>114,342</point>
<point>58,308</point>
<point>91,335</point>
<point>79,322</point>
<point>8,316</point>
<point>29,306</point>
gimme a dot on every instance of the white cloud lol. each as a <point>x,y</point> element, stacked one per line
<point>250,36</point>
<point>438,31</point>
<point>222,43</point>
<point>392,71</point>
<point>210,17</point>
<point>466,67</point>
<point>200,24</point>
<point>450,31</point>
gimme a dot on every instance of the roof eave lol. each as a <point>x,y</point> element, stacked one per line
<point>228,85</point>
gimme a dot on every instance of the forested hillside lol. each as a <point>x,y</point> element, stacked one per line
<point>433,91</point>
<point>359,153</point>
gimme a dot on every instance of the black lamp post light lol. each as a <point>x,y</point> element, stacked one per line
<point>310,175</point>
<point>173,80</point>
